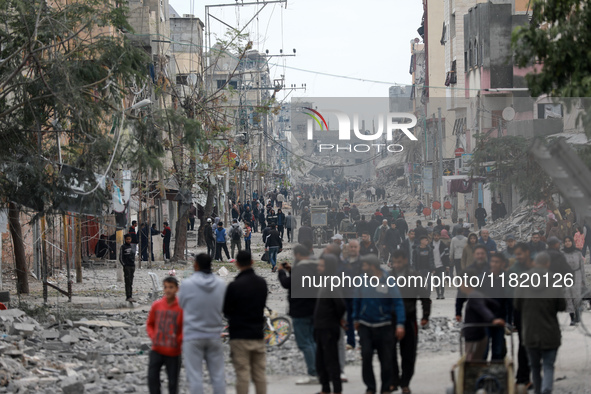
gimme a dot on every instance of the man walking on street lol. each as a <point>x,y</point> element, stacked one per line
<point>244,307</point>
<point>456,248</point>
<point>441,261</point>
<point>290,225</point>
<point>373,308</point>
<point>202,298</point>
<point>393,240</point>
<point>166,235</point>
<point>480,215</point>
<point>192,214</point>
<point>367,247</point>
<point>280,222</point>
<point>209,236</point>
<point>540,330</point>
<point>236,235</point>
<point>381,240</point>
<point>301,310</point>
<point>488,242</point>
<point>134,237</point>
<point>523,264</point>
<point>328,320</point>
<point>127,260</point>
<point>408,344</point>
<point>220,242</point>
<point>458,228</point>
<point>273,245</point>
<point>420,231</point>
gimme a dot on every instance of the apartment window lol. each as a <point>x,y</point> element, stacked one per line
<point>475,48</point>
<point>550,111</point>
<point>452,25</point>
<point>222,82</point>
<point>466,65</point>
<point>181,79</point>
<point>470,55</point>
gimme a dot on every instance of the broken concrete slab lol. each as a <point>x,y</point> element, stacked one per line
<point>57,346</point>
<point>71,385</point>
<point>22,329</point>
<point>11,313</point>
<point>101,323</point>
<point>50,334</point>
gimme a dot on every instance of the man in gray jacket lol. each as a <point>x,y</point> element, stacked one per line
<point>202,298</point>
<point>290,225</point>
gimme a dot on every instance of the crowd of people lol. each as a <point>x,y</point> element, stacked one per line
<point>324,327</point>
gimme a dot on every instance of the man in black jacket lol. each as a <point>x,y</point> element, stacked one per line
<point>166,235</point>
<point>361,226</point>
<point>301,311</point>
<point>134,238</point>
<point>244,306</point>
<point>209,238</point>
<point>408,344</point>
<point>127,260</point>
<point>328,320</point>
<point>367,247</point>
<point>420,231</point>
<point>273,245</point>
<point>402,226</point>
<point>408,246</point>
<point>393,239</point>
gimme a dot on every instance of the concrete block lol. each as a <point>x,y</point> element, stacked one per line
<point>50,334</point>
<point>72,386</point>
<point>12,313</point>
<point>22,329</point>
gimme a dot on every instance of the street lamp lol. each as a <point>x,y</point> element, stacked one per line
<point>140,104</point>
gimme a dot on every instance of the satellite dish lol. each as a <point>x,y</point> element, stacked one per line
<point>508,114</point>
<point>225,67</point>
<point>192,79</point>
<point>417,40</point>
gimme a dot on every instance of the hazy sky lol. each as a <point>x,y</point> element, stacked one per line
<point>368,39</point>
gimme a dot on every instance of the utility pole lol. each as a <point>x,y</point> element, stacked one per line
<point>440,166</point>
<point>433,162</point>
<point>78,249</point>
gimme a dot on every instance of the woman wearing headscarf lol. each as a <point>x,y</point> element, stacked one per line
<point>573,294</point>
<point>468,253</point>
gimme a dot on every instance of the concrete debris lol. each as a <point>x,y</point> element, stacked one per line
<point>223,272</point>
<point>101,323</point>
<point>22,329</point>
<point>522,222</point>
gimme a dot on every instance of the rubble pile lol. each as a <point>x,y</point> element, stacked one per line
<point>92,356</point>
<point>522,222</point>
<point>442,334</point>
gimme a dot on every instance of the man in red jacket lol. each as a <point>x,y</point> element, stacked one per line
<point>165,329</point>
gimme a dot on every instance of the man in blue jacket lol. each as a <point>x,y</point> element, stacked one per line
<point>373,308</point>
<point>220,242</point>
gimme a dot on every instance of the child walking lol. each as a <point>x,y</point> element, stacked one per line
<point>247,238</point>
<point>165,329</point>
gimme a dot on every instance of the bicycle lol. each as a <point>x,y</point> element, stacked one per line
<point>276,331</point>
